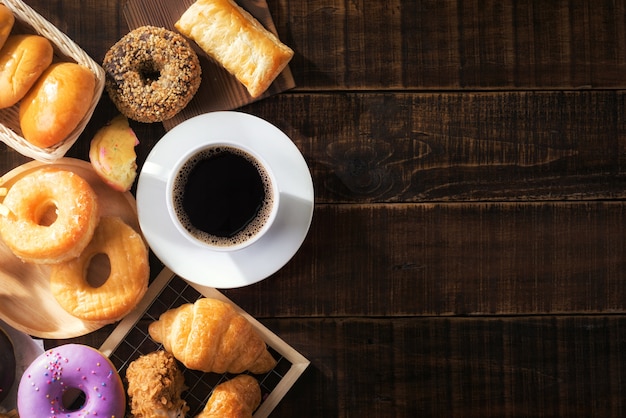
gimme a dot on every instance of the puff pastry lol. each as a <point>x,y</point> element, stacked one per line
<point>237,41</point>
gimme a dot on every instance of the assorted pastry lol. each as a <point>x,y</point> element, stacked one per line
<point>52,217</point>
<point>152,73</point>
<point>56,104</point>
<point>23,59</point>
<point>210,336</point>
<point>53,97</point>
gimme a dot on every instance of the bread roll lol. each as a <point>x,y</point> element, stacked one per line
<point>236,40</point>
<point>56,104</point>
<point>6,23</point>
<point>23,58</point>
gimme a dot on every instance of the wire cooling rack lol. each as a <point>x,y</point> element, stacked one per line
<point>130,339</point>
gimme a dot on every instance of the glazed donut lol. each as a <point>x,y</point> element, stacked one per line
<point>68,370</point>
<point>52,216</point>
<point>151,74</point>
<point>123,288</point>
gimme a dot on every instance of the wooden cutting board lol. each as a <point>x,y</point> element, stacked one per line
<point>219,90</point>
<point>26,302</point>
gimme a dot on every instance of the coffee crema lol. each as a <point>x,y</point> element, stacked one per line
<point>223,196</point>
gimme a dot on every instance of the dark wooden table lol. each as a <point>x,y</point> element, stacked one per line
<point>467,254</point>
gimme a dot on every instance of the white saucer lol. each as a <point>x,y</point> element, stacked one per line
<point>264,257</point>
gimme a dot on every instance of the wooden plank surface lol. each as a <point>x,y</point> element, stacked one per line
<point>459,367</point>
<point>453,45</point>
<point>451,259</point>
<point>557,366</point>
<point>466,257</point>
<point>427,44</point>
<point>416,147</point>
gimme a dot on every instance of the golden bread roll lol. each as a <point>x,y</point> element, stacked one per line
<point>235,39</point>
<point>56,104</point>
<point>23,59</point>
<point>6,23</point>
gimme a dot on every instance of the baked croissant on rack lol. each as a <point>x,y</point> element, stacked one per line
<point>235,398</point>
<point>211,336</point>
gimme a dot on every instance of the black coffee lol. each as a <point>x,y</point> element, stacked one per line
<point>222,196</point>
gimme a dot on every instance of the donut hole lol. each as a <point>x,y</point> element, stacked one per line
<point>149,72</point>
<point>98,270</point>
<point>46,213</point>
<point>73,399</point>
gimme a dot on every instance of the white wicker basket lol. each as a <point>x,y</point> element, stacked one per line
<point>29,21</point>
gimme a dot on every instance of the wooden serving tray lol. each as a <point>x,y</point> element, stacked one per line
<point>28,21</point>
<point>219,90</point>
<point>130,339</point>
<point>26,302</point>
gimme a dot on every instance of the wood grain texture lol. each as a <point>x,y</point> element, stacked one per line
<point>453,45</point>
<point>451,259</point>
<point>416,147</point>
<point>458,367</point>
<point>427,44</point>
<point>466,257</point>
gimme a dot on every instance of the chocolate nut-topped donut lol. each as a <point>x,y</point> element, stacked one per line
<point>151,74</point>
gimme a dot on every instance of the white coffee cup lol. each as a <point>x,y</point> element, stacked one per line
<point>222,196</point>
<point>199,260</point>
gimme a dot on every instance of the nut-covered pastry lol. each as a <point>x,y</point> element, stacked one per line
<point>151,74</point>
<point>155,384</point>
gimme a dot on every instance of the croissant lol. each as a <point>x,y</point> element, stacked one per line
<point>211,336</point>
<point>235,398</point>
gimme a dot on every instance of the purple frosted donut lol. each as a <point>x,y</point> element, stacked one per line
<point>57,376</point>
